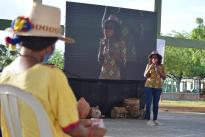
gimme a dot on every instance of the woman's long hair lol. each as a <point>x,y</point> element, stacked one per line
<point>159,57</point>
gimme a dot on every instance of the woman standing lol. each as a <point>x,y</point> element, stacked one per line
<point>155,75</point>
<point>112,51</point>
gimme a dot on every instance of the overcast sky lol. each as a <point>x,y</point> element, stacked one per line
<point>178,15</point>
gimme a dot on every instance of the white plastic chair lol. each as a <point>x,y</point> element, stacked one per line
<point>9,96</point>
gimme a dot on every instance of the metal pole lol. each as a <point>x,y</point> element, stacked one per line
<point>38,1</point>
<point>158,9</point>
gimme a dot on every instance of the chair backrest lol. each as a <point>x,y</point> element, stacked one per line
<point>9,96</point>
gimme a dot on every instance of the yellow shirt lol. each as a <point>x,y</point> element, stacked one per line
<point>154,80</point>
<point>50,86</point>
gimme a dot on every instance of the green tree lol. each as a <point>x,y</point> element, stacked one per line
<point>199,21</point>
<point>58,59</point>
<point>182,35</point>
<point>186,62</point>
<point>198,33</point>
<point>6,56</point>
<point>174,63</point>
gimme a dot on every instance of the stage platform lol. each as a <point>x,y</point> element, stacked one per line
<point>108,93</point>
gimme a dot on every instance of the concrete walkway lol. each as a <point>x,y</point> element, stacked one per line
<point>173,125</point>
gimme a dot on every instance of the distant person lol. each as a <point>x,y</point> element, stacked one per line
<point>112,54</point>
<point>155,75</point>
<point>37,34</point>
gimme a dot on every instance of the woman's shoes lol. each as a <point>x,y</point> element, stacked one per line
<point>157,123</point>
<point>150,123</point>
<point>153,123</point>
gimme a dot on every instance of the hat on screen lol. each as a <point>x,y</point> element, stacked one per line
<point>42,21</point>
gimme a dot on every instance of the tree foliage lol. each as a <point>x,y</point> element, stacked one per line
<point>187,62</point>
<point>57,59</point>
<point>198,33</point>
<point>6,56</point>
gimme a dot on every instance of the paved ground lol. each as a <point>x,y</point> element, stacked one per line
<point>174,125</point>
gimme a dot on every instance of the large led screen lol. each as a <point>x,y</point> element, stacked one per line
<point>111,43</point>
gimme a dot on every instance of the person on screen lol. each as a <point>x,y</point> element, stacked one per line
<point>155,75</point>
<point>37,34</point>
<point>112,55</point>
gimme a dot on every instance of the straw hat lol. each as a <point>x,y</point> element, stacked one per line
<point>41,20</point>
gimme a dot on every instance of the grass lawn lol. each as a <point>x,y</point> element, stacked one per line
<point>182,103</point>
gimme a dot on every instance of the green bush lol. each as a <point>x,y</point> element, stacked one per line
<point>6,56</point>
<point>57,59</point>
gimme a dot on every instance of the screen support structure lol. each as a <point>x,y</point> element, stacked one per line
<point>38,1</point>
<point>158,10</point>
